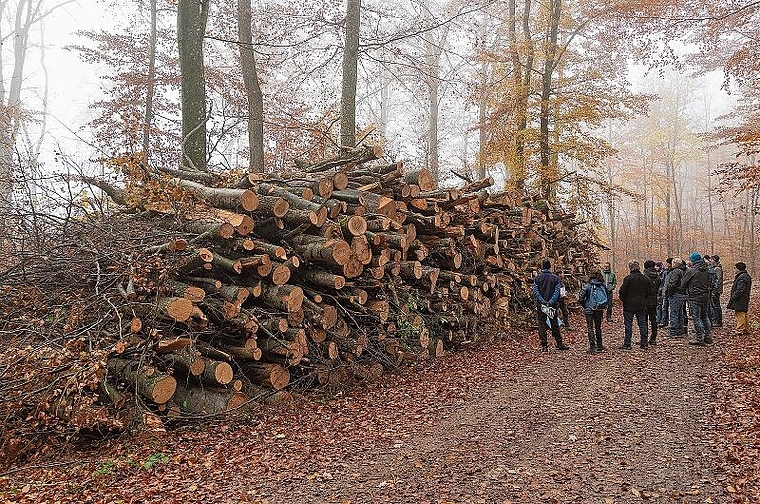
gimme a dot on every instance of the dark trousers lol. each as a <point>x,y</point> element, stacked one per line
<point>716,311</point>
<point>641,320</point>
<point>609,304</point>
<point>562,305</point>
<point>541,318</point>
<point>662,310</point>
<point>594,327</point>
<point>652,317</point>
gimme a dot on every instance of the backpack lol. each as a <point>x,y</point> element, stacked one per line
<point>597,298</point>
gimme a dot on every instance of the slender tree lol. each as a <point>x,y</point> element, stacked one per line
<point>350,63</point>
<point>192,16</point>
<point>255,98</point>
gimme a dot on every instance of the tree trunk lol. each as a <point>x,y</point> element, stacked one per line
<point>252,89</point>
<point>191,27</point>
<point>151,84</point>
<point>350,63</point>
<point>548,173</point>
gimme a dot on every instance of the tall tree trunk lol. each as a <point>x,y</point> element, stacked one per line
<point>521,74</point>
<point>432,55</point>
<point>384,95</point>
<point>151,84</point>
<point>252,89</point>
<point>548,173</point>
<point>191,27</point>
<point>350,63</point>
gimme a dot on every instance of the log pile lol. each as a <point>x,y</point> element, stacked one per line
<point>335,273</point>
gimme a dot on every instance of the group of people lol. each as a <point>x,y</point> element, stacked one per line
<point>662,295</point>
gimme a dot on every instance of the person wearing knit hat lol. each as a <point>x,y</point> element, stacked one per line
<point>696,281</point>
<point>739,298</point>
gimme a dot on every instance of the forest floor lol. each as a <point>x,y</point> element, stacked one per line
<point>497,424</point>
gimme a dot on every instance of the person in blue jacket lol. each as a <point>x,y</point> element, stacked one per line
<point>546,287</point>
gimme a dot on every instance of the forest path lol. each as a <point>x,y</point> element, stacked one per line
<point>501,423</point>
<point>566,427</point>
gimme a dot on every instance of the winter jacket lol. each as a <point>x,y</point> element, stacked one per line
<point>674,281</point>
<point>610,280</point>
<point>718,273</point>
<point>663,282</point>
<point>739,300</point>
<point>696,282</point>
<point>635,291</point>
<point>653,277</point>
<point>546,288</point>
<point>585,294</point>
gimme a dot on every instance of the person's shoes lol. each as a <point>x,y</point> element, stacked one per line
<point>644,347</point>
<point>652,342</point>
<point>708,341</point>
<point>544,349</point>
<point>662,326</point>
<point>697,343</point>
<point>677,336</point>
<point>717,325</point>
<point>601,349</point>
<point>563,347</point>
<point>625,347</point>
<point>592,350</point>
<point>568,327</point>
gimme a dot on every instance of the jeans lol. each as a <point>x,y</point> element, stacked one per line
<point>662,310</point>
<point>716,311</point>
<point>678,318</point>
<point>702,325</point>
<point>594,326</point>
<point>541,318</point>
<point>641,320</point>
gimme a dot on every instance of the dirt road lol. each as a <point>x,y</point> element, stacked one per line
<point>506,424</point>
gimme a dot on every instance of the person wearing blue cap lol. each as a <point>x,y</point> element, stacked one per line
<point>696,281</point>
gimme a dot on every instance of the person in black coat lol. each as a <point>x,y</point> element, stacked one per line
<point>696,282</point>
<point>676,299</point>
<point>739,298</point>
<point>634,293</point>
<point>653,275</point>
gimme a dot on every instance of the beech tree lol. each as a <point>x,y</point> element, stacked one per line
<point>350,62</point>
<point>192,16</point>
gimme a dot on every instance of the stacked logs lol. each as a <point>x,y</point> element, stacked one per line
<point>335,272</point>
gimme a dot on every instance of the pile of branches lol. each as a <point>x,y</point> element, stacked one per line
<point>195,293</point>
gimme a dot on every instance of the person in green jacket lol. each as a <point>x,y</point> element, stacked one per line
<point>610,282</point>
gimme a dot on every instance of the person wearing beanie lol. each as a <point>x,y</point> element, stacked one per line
<point>696,282</point>
<point>650,271</point>
<point>546,288</point>
<point>676,299</point>
<point>716,277</point>
<point>739,298</point>
<point>634,292</point>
